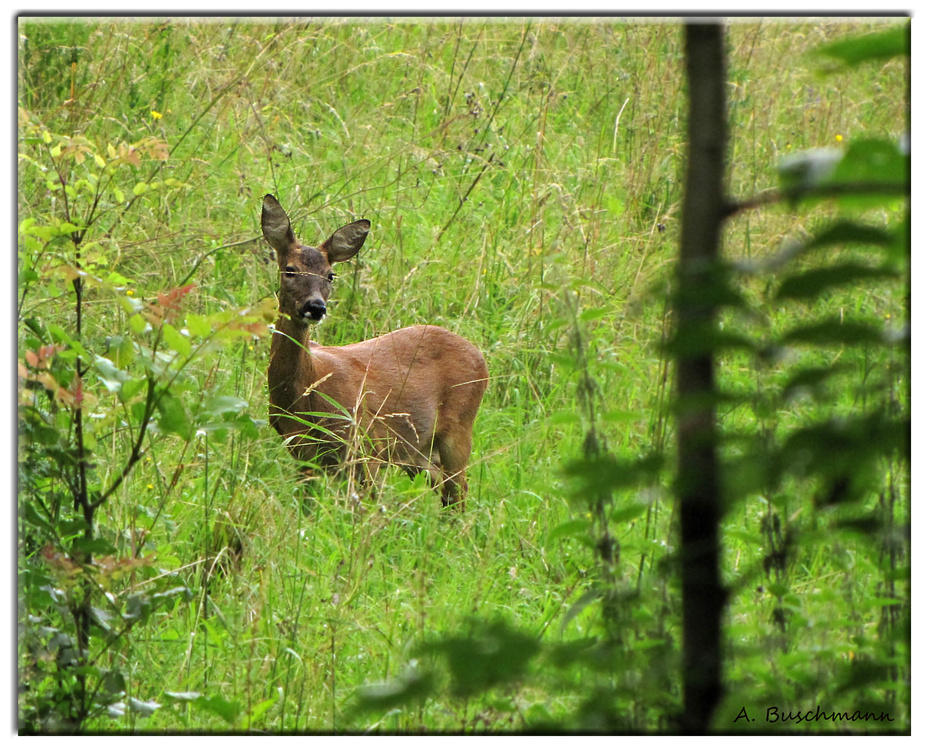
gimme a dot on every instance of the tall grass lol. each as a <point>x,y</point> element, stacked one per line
<point>522,178</point>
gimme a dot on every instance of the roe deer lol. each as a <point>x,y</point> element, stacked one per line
<point>411,394</point>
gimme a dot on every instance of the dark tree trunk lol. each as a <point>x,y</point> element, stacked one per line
<point>696,307</point>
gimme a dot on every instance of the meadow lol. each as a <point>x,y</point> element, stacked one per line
<point>523,179</point>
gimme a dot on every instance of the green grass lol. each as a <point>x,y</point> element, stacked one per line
<point>506,203</point>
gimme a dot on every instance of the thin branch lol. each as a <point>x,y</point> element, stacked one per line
<point>137,452</point>
<point>793,195</point>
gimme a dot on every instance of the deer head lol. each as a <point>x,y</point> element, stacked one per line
<point>305,273</point>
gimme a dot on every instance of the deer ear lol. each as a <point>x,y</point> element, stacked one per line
<point>346,241</point>
<point>276,226</point>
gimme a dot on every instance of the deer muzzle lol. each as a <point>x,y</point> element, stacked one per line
<point>313,309</point>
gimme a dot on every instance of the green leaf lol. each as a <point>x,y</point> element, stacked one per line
<point>869,173</point>
<point>835,331</point>
<point>181,593</point>
<point>221,707</point>
<point>35,325</point>
<point>113,685</point>
<point>198,325</point>
<point>850,232</point>
<point>43,434</point>
<point>177,341</point>
<point>245,425</point>
<point>102,618</point>
<point>811,284</point>
<point>172,416</point>
<point>143,708</point>
<point>596,476</point>
<point>188,696</point>
<point>116,710</point>
<point>628,512</point>
<point>592,314</point>
<point>259,710</point>
<point>130,305</point>
<point>131,387</point>
<point>874,162</point>
<point>61,336</point>
<point>112,376</point>
<point>706,339</point>
<point>117,279</point>
<point>494,654</point>
<point>809,378</point>
<point>219,405</point>
<point>30,515</point>
<point>621,415</point>
<point>66,227</point>
<point>880,45</point>
<point>901,247</point>
<point>806,170</point>
<point>92,546</point>
<point>121,350</point>
<point>138,324</point>
<point>412,685</point>
<point>843,448</point>
<point>72,526</point>
<point>573,527</point>
<point>138,607</point>
<point>584,601</point>
<point>140,188</point>
<point>41,231</point>
<point>749,538</point>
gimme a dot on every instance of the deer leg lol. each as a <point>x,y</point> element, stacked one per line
<point>454,455</point>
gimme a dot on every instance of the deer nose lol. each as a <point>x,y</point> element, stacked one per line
<point>314,309</point>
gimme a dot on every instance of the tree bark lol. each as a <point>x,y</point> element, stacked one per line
<point>696,307</point>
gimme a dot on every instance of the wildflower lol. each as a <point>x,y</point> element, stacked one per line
<point>156,115</point>
<point>838,137</point>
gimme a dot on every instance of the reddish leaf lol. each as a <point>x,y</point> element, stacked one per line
<point>169,303</point>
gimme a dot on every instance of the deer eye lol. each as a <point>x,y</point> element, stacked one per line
<point>290,271</point>
<point>332,276</point>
